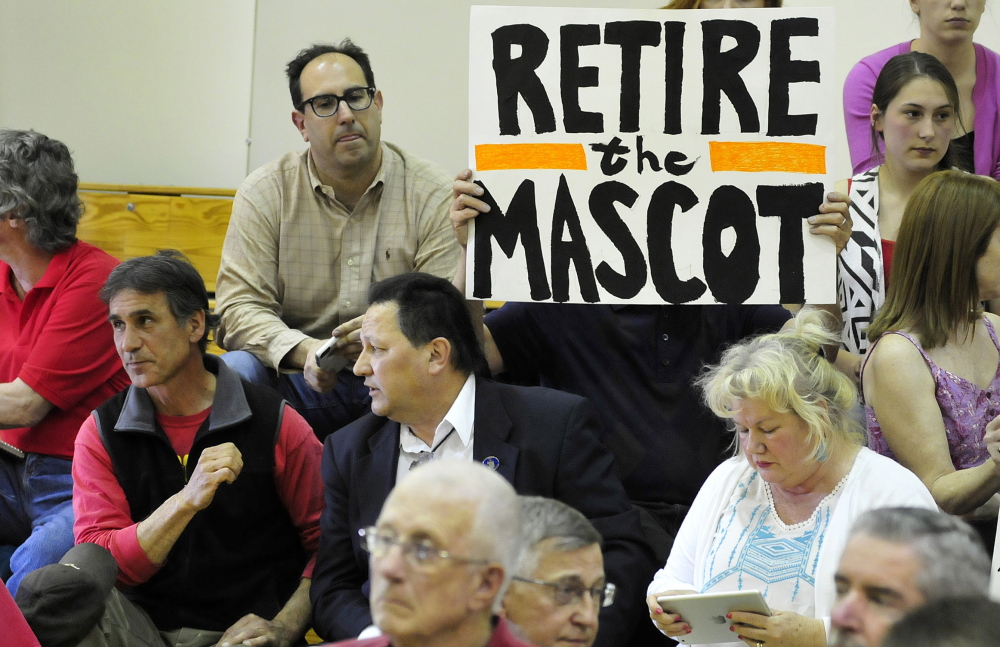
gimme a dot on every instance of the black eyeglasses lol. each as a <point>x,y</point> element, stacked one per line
<point>327,105</point>
<point>571,591</point>
<point>420,553</point>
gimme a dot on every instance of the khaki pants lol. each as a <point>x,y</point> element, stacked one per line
<point>125,625</point>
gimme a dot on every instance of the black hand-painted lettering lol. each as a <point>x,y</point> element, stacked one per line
<point>520,221</point>
<point>721,73</point>
<point>573,251</point>
<point>602,207</point>
<point>516,76</point>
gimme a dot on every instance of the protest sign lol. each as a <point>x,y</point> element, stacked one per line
<point>650,156</point>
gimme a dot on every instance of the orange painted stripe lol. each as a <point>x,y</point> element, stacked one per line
<point>764,157</point>
<point>503,157</point>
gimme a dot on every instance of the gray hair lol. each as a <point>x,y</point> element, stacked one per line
<point>496,526</point>
<point>971,621</point>
<point>38,183</point>
<point>545,518</point>
<point>952,556</point>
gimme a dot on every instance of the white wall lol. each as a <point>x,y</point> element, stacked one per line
<point>147,92</point>
<point>167,91</point>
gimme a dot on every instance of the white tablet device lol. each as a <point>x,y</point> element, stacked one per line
<point>706,613</point>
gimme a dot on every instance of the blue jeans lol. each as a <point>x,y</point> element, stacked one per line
<point>325,412</point>
<point>36,512</point>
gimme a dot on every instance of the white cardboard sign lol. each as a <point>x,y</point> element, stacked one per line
<point>651,156</point>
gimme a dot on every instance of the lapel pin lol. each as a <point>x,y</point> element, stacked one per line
<point>491,462</point>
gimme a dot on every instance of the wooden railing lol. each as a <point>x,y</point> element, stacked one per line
<point>128,221</point>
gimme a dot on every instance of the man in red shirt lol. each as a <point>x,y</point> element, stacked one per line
<point>57,359</point>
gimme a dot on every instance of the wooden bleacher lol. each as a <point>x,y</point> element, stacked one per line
<point>133,220</point>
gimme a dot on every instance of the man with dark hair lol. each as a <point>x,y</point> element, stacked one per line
<point>558,586</point>
<point>310,231</point>
<point>205,489</point>
<point>423,367</point>
<point>57,359</point>
<point>897,559</point>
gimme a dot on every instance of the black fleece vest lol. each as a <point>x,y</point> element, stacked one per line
<point>240,555</point>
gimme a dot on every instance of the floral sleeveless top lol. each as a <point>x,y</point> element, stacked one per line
<point>965,408</point>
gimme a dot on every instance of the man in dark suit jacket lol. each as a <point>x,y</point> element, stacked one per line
<point>420,360</point>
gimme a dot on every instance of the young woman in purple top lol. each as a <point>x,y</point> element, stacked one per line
<point>931,381</point>
<point>946,30</point>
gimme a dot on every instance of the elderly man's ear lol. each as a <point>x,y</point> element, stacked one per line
<point>485,593</point>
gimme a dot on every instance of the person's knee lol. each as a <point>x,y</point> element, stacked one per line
<point>248,367</point>
<point>63,602</point>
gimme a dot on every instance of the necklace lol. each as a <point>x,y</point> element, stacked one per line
<point>811,518</point>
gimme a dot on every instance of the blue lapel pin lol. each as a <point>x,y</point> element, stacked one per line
<point>491,462</point>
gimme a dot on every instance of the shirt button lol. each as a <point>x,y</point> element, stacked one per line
<point>347,304</point>
<point>665,362</point>
<point>666,337</point>
<point>350,261</point>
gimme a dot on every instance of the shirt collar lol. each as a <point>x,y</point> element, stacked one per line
<point>229,406</point>
<point>55,271</point>
<point>385,169</point>
<point>460,416</point>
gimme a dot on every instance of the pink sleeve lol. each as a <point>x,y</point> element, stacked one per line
<point>102,511</point>
<point>858,88</point>
<point>298,456</point>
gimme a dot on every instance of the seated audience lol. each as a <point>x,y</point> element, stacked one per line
<point>946,30</point>
<point>311,230</point>
<point>932,375</point>
<point>955,622</point>
<point>57,359</point>
<point>457,528</point>
<point>205,489</point>
<point>424,366</point>
<point>801,479</point>
<point>558,587</point>
<point>898,559</point>
<point>914,112</point>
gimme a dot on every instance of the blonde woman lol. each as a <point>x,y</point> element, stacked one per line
<point>799,479</point>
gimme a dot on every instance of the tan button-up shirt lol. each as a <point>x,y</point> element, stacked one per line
<point>297,263</point>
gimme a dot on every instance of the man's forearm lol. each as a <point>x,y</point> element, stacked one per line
<point>299,355</point>
<point>294,616</point>
<point>161,530</point>
<point>21,406</point>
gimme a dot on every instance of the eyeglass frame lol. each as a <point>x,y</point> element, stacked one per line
<point>409,548</point>
<point>340,98</point>
<point>606,591</point>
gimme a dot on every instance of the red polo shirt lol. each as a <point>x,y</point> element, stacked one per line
<point>59,343</point>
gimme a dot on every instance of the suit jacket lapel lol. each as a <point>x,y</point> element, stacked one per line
<point>492,428</point>
<point>375,474</point>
